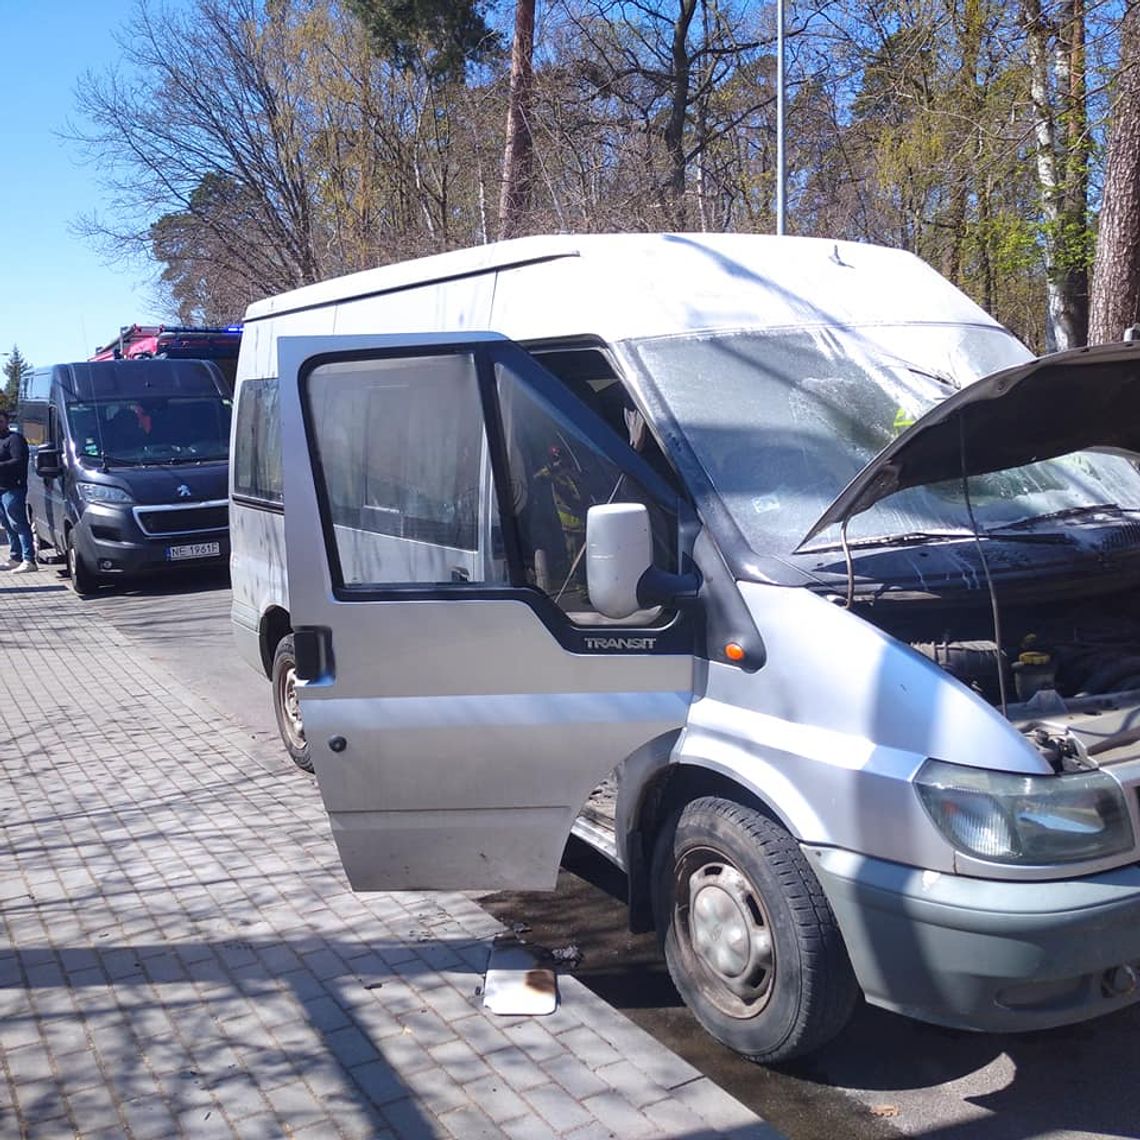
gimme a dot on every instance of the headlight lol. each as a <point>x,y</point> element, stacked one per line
<point>102,493</point>
<point>1008,818</point>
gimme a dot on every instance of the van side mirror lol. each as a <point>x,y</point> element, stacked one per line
<point>620,576</point>
<point>47,462</point>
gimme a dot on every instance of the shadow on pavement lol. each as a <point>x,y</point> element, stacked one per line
<point>315,1028</point>
<point>312,1030</point>
<point>171,583</point>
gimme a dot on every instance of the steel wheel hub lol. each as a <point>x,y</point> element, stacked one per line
<point>292,705</point>
<point>728,931</point>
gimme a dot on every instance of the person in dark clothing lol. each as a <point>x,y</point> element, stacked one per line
<point>13,499</point>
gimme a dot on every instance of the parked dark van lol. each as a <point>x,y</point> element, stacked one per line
<point>130,465</point>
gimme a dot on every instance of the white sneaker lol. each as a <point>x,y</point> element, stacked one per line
<point>25,568</point>
<point>11,564</point>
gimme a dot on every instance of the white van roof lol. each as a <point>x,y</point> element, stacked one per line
<point>623,285</point>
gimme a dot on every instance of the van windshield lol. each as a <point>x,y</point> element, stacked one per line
<point>151,429</point>
<point>781,422</point>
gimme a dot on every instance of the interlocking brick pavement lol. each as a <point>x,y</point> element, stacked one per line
<point>181,955</point>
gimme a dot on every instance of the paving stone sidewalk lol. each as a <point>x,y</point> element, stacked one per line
<point>180,954</point>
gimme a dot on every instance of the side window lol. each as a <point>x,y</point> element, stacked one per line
<point>399,456</point>
<point>257,455</point>
<point>557,474</point>
<point>31,424</point>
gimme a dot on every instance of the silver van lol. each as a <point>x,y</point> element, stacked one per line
<point>774,568</point>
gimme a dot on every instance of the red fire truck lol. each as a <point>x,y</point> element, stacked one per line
<point>174,342</point>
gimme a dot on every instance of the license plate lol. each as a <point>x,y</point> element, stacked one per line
<point>193,550</point>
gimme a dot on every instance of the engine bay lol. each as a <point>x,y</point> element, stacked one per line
<point>1068,667</point>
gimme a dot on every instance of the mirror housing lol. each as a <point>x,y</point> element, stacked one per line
<point>48,463</point>
<point>620,576</point>
<point>619,550</point>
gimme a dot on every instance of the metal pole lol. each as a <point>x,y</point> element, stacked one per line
<point>780,171</point>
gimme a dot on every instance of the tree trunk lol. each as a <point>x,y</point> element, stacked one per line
<point>518,157</point>
<point>1116,272</point>
<point>678,111</point>
<point>1072,82</point>
<point>1064,190</point>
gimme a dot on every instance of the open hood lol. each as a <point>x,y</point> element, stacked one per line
<point>1049,406</point>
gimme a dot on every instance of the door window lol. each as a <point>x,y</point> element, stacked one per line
<point>556,474</point>
<point>399,449</point>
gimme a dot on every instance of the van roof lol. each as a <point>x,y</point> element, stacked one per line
<point>617,285</point>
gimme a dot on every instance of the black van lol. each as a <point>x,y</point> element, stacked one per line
<point>130,461</point>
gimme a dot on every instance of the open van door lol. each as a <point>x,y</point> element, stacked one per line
<point>460,696</point>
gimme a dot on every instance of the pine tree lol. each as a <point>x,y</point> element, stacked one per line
<point>16,367</point>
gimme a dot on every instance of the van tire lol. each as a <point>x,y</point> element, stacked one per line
<point>286,706</point>
<point>772,979</point>
<point>84,581</point>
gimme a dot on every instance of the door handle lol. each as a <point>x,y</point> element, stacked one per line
<point>460,574</point>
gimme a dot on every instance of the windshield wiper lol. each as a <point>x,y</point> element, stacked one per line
<point>119,459</point>
<point>941,377</point>
<point>1011,532</point>
<point>1066,513</point>
<point>919,537</point>
<point>177,460</point>
<point>909,538</point>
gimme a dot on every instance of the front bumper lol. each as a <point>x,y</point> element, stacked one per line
<point>985,955</point>
<point>112,543</point>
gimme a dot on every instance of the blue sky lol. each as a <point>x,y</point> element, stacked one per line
<point>58,297</point>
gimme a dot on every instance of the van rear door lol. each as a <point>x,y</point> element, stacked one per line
<point>460,697</point>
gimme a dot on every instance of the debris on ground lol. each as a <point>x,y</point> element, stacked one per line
<point>569,956</point>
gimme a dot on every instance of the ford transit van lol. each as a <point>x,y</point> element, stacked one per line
<point>129,466</point>
<point>774,568</point>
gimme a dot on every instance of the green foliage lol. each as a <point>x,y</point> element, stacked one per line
<point>1072,243</point>
<point>1011,243</point>
<point>16,368</point>
<point>438,37</point>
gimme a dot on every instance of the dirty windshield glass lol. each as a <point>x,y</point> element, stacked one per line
<point>781,422</point>
<point>151,429</point>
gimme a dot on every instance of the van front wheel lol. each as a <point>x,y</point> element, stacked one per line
<point>749,938</point>
<point>287,707</point>
<point>84,581</point>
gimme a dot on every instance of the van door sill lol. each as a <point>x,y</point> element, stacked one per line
<point>598,837</point>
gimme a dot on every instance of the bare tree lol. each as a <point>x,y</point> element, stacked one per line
<point>262,144</point>
<point>655,96</point>
<point>259,145</point>
<point>215,94</point>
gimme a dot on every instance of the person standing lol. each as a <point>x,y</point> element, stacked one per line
<point>13,499</point>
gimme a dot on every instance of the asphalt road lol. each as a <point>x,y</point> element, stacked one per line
<point>884,1077</point>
